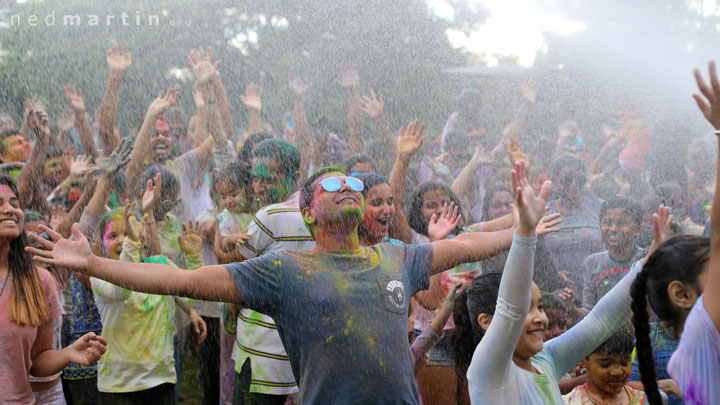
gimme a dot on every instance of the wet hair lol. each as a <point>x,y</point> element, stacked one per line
<point>478,298</point>
<point>281,151</point>
<point>27,303</point>
<point>34,216</point>
<point>567,160</point>
<point>369,180</point>
<point>357,159</point>
<point>489,195</point>
<point>245,154</point>
<point>238,174</point>
<point>681,258</point>
<point>619,343</point>
<point>6,133</point>
<point>629,206</point>
<point>552,301</point>
<point>170,182</point>
<point>308,189</point>
<point>415,216</point>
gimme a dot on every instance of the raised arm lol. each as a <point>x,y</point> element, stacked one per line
<point>408,143</point>
<point>28,183</point>
<point>374,106</point>
<point>350,81</point>
<point>118,61</point>
<point>75,98</point>
<point>142,141</point>
<point>210,283</point>
<point>252,99</point>
<point>462,184</point>
<point>710,107</point>
<point>493,356</point>
<point>303,141</point>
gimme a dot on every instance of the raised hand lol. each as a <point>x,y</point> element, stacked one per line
<point>133,228</point>
<point>38,120</point>
<point>190,240</point>
<point>374,106</point>
<point>163,103</point>
<point>75,98</point>
<point>662,228</point>
<point>74,255</point>
<point>529,208</point>
<point>119,59</point>
<point>87,350</point>
<point>151,195</point>
<point>548,224</point>
<point>298,86</point>
<point>410,142</point>
<point>80,165</point>
<point>516,153</point>
<point>710,106</point>
<point>198,96</point>
<point>252,97</point>
<point>441,225</point>
<point>348,77</point>
<point>200,62</point>
<point>119,157</point>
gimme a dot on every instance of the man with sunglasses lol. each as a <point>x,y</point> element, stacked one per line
<point>341,309</point>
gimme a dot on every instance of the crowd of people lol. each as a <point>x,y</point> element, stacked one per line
<point>303,266</point>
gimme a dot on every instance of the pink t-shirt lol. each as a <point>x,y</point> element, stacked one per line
<point>16,342</point>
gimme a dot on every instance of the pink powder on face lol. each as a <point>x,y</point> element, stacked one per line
<point>108,230</point>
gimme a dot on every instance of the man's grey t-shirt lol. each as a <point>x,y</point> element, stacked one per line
<point>600,274</point>
<point>342,317</point>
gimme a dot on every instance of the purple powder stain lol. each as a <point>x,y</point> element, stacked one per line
<point>693,394</point>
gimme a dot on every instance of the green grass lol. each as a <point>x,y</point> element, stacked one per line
<point>189,379</point>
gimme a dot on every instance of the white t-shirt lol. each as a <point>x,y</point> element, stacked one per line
<point>695,365</point>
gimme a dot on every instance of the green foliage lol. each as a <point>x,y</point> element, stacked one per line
<point>397,47</point>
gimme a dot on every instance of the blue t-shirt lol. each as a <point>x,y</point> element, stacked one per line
<point>342,317</point>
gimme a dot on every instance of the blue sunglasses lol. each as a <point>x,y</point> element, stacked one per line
<point>334,184</point>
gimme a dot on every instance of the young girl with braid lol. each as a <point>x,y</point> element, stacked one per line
<point>681,281</point>
<point>510,364</point>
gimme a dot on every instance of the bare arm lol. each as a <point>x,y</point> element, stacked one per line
<point>253,101</point>
<point>46,362</point>
<point>301,130</point>
<point>27,183</point>
<point>210,283</point>
<point>467,248</point>
<point>223,105</point>
<point>119,61</point>
<point>711,110</point>
<point>350,81</point>
<point>75,98</point>
<point>408,143</point>
<point>142,141</point>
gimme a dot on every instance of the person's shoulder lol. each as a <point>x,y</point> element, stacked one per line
<point>291,205</point>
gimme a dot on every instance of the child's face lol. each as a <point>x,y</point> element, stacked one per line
<point>618,230</point>
<point>557,323</point>
<point>608,372</point>
<point>536,322</point>
<point>113,238</point>
<point>230,198</point>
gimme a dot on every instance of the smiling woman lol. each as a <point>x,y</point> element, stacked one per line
<point>28,306</point>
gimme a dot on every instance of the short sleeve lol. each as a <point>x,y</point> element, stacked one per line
<point>49,288</point>
<point>417,260</point>
<point>260,236</point>
<point>259,282</point>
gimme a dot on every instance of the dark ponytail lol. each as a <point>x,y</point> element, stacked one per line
<point>682,259</point>
<point>478,298</point>
<point>644,350</point>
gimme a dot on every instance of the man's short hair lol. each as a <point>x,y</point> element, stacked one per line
<point>629,206</point>
<point>307,190</point>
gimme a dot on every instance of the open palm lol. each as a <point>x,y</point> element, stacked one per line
<point>409,142</point>
<point>442,225</point>
<point>74,255</point>
<point>530,208</point>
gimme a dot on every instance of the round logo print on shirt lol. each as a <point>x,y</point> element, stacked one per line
<point>393,292</point>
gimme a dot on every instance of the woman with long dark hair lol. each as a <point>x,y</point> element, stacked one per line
<point>28,306</point>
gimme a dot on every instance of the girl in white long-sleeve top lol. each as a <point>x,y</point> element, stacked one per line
<point>511,365</point>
